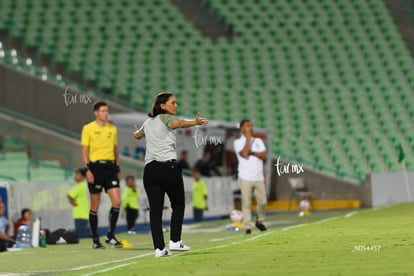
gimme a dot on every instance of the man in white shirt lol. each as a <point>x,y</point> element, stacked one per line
<point>251,152</point>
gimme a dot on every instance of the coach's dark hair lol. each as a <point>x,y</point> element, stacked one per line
<point>242,122</point>
<point>129,177</point>
<point>161,98</point>
<point>98,105</point>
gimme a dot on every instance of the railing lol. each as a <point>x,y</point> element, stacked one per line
<point>11,144</point>
<point>39,164</point>
<point>14,142</point>
<point>34,151</point>
<point>5,177</point>
<point>34,121</point>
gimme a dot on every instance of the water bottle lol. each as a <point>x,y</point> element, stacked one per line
<point>36,233</point>
<point>42,238</point>
<point>233,227</point>
<point>24,237</point>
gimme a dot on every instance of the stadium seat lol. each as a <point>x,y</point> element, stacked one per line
<point>322,68</point>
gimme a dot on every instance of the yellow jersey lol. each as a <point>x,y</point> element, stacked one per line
<point>79,193</point>
<point>199,193</point>
<point>101,140</point>
<point>130,198</point>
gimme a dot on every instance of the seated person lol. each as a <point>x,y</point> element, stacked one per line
<point>4,240</point>
<point>183,163</point>
<point>25,219</point>
<point>4,223</point>
<point>4,228</point>
<point>206,165</point>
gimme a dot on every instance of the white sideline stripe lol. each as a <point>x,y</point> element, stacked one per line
<point>258,236</point>
<point>92,265</point>
<point>14,274</point>
<point>292,227</point>
<point>107,269</point>
<point>220,239</point>
<point>229,244</point>
<point>110,262</point>
<point>324,220</point>
<point>315,222</point>
<point>350,214</point>
<point>255,237</point>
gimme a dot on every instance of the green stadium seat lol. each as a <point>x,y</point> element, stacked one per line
<point>324,68</point>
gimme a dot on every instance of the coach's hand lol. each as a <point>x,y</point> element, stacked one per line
<point>200,121</point>
<point>89,177</point>
<point>137,134</point>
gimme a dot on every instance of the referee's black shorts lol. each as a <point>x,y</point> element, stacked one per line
<point>105,174</point>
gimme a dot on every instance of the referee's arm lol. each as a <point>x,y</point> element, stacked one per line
<point>85,158</point>
<point>85,155</point>
<point>116,155</point>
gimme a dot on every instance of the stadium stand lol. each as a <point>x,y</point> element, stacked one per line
<point>332,79</point>
<point>16,164</point>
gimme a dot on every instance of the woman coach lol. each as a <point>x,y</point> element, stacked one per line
<point>162,173</point>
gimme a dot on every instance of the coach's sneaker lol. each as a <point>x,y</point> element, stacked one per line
<point>162,253</point>
<point>261,226</point>
<point>111,240</point>
<point>178,246</point>
<point>97,244</point>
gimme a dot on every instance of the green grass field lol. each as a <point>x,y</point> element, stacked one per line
<point>352,242</point>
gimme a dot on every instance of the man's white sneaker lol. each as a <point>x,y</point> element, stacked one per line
<point>162,253</point>
<point>130,232</point>
<point>178,246</point>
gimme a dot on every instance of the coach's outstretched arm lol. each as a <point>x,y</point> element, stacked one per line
<point>183,123</point>
<point>176,123</point>
<point>138,133</point>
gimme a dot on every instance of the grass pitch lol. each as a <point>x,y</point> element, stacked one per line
<point>353,242</point>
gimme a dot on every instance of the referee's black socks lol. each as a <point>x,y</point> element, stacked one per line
<point>93,222</point>
<point>113,218</point>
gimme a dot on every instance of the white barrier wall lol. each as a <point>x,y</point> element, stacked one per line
<point>391,188</point>
<point>48,201</point>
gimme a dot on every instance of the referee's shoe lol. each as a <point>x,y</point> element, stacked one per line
<point>111,240</point>
<point>97,244</point>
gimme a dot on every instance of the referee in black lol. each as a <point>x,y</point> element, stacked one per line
<point>162,174</point>
<point>100,156</point>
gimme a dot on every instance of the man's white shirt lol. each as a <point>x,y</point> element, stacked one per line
<point>250,168</point>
